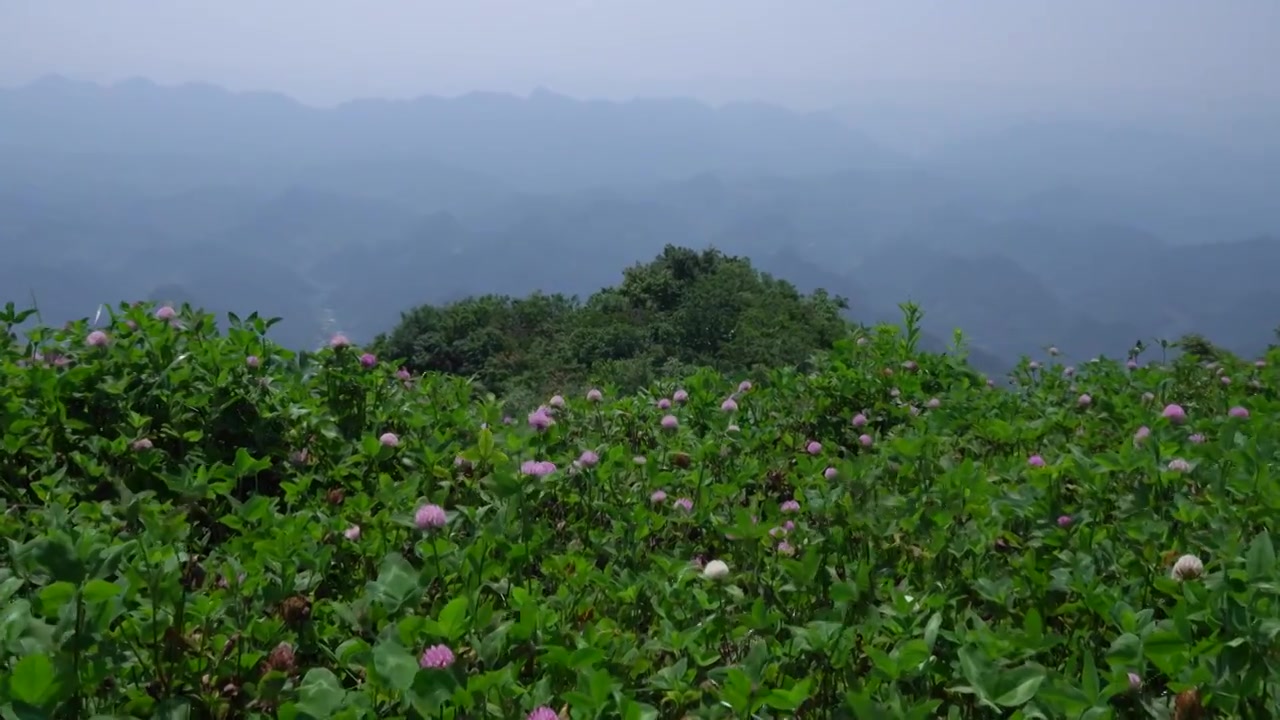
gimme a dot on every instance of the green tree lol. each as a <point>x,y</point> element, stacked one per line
<point>1198,347</point>
<point>683,309</point>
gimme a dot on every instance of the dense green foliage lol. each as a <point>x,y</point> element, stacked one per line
<point>682,311</point>
<point>205,525</point>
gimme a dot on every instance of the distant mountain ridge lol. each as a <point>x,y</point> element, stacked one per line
<point>525,141</point>
<point>350,215</point>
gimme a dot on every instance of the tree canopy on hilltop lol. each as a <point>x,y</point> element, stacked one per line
<point>683,309</point>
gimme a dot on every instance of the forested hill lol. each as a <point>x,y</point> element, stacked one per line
<point>684,309</point>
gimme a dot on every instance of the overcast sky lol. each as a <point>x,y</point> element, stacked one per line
<point>805,53</point>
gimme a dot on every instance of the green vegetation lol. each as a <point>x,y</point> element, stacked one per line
<point>682,311</point>
<point>209,526</point>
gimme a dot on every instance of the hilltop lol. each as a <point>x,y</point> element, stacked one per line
<point>682,311</point>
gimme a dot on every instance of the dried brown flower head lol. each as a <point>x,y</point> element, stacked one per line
<point>295,610</point>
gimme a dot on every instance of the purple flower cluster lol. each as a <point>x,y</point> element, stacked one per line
<point>537,468</point>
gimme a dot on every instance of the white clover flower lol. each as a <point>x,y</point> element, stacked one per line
<point>715,570</point>
<point>1188,567</point>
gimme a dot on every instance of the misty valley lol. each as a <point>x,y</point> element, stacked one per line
<point>342,219</point>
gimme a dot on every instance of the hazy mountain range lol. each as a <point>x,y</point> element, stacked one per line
<point>1041,232</point>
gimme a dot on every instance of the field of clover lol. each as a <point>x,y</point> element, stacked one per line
<point>200,524</point>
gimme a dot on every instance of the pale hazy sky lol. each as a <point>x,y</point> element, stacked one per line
<point>806,53</point>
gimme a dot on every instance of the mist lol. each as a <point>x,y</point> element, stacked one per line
<point>1182,63</point>
<point>1033,173</point>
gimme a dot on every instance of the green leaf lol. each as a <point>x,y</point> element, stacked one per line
<point>1166,650</point>
<point>1261,560</point>
<point>1034,624</point>
<point>843,592</point>
<point>397,583</point>
<point>431,689</point>
<point>581,701</point>
<point>246,465</point>
<point>931,630</point>
<point>1063,697</point>
<point>100,590</point>
<point>320,694</point>
<point>1125,651</point>
<point>1022,684</point>
<point>789,699</point>
<point>173,709</point>
<point>755,660</point>
<point>453,618</point>
<point>585,657</point>
<point>33,680</point>
<point>351,650</point>
<point>863,707</point>
<point>736,690</point>
<point>632,710</point>
<point>882,662</point>
<point>911,654</point>
<point>9,587</point>
<point>601,684</point>
<point>56,556</point>
<point>18,710</point>
<point>486,444</point>
<point>55,596</point>
<point>394,665</point>
<point>1090,677</point>
<point>971,667</point>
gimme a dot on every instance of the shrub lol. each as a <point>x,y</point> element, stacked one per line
<point>193,534</point>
